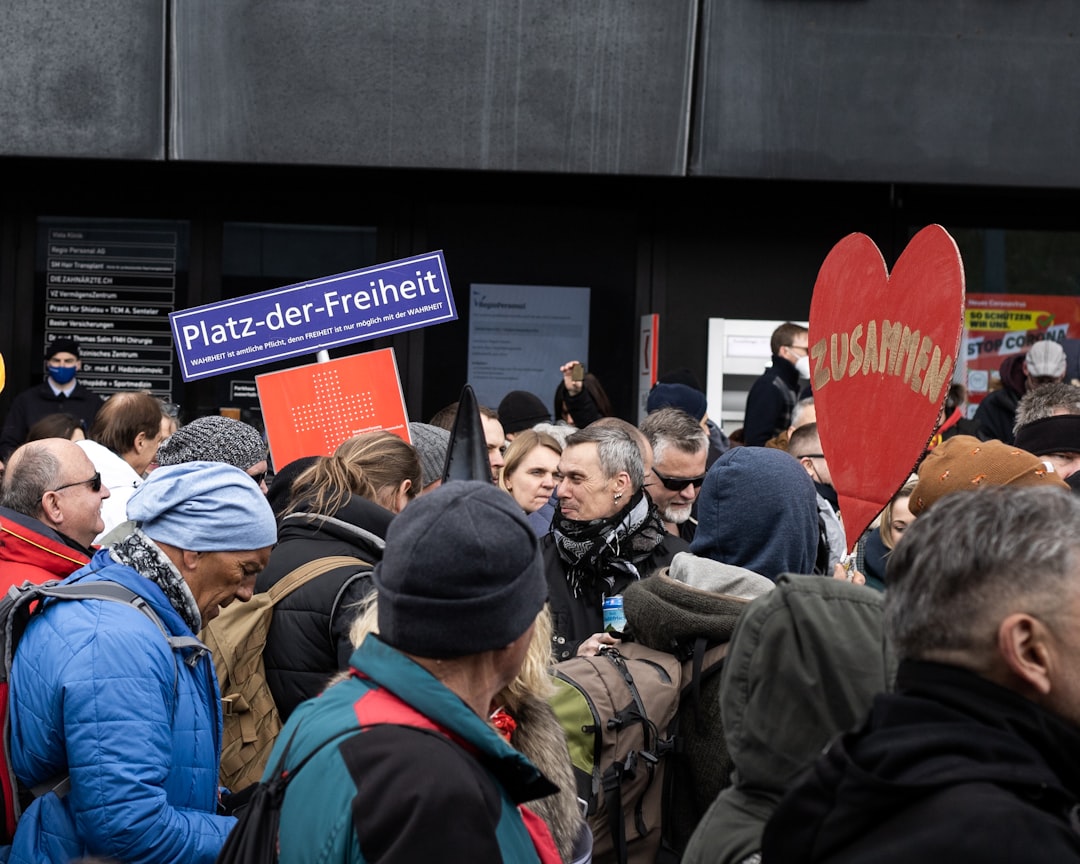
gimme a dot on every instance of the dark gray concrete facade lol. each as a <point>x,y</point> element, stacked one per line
<point>695,159</point>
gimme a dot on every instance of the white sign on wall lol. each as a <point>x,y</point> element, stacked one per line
<point>519,336</point>
<point>737,346</point>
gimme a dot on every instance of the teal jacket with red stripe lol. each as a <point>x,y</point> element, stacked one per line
<point>422,777</point>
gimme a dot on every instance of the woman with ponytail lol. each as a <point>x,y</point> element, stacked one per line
<point>341,505</point>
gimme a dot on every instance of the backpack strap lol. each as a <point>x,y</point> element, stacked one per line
<point>60,784</point>
<point>308,571</point>
<point>117,593</point>
<point>613,802</point>
<point>359,574</point>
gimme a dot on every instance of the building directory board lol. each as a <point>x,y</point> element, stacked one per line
<point>110,285</point>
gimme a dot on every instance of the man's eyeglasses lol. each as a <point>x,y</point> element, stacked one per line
<point>258,478</point>
<point>677,484</point>
<point>802,348</point>
<point>95,483</point>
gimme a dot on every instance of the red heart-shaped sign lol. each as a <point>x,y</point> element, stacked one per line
<point>882,352</point>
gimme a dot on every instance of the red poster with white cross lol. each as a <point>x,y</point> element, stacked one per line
<point>310,410</point>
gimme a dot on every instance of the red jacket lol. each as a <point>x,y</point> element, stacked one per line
<point>30,550</point>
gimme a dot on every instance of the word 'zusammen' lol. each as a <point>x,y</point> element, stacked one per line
<point>892,349</point>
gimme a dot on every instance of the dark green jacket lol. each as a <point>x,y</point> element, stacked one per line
<point>803,665</point>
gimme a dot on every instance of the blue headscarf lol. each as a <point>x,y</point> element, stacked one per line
<point>203,507</point>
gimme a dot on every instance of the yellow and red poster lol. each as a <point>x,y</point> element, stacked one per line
<point>310,410</point>
<point>998,326</point>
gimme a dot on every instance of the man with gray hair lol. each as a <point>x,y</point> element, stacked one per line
<point>983,611</point>
<point>50,511</point>
<point>605,534</point>
<point>680,450</point>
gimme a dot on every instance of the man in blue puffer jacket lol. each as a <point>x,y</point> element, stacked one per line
<point>98,692</point>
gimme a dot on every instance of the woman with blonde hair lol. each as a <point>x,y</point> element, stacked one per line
<point>530,471</point>
<point>341,505</point>
<point>876,544</point>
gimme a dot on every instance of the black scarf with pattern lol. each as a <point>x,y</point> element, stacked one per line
<point>596,550</point>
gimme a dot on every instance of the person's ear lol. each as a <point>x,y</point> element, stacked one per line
<point>620,484</point>
<point>403,494</point>
<point>1023,644</point>
<point>190,559</point>
<point>50,508</point>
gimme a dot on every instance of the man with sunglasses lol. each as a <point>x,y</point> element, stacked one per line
<point>605,534</point>
<point>50,511</point>
<point>680,451</point>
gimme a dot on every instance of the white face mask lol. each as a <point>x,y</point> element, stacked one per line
<point>803,367</point>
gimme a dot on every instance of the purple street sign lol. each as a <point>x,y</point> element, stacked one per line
<point>312,316</point>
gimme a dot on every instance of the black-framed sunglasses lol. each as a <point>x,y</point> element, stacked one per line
<point>677,484</point>
<point>258,478</point>
<point>95,483</point>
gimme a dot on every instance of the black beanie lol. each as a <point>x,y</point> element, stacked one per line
<point>1057,434</point>
<point>521,410</point>
<point>61,346</point>
<point>461,573</point>
<point>280,488</point>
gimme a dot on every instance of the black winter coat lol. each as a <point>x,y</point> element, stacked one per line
<point>37,402</point>
<point>309,640</point>
<point>770,401</point>
<point>950,768</point>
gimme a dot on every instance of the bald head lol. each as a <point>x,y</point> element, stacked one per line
<point>51,480</point>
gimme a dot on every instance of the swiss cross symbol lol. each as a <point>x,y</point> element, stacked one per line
<point>312,409</point>
<point>336,414</point>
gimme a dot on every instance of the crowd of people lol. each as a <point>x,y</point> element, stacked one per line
<point>871,683</point>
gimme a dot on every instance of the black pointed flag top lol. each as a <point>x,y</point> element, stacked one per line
<point>466,454</point>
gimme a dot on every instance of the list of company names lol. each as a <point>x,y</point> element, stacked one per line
<point>113,290</point>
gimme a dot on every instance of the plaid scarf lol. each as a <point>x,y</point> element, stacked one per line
<point>597,550</point>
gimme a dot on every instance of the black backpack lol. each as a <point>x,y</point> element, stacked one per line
<point>254,838</point>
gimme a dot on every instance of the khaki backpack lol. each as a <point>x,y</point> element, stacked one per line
<point>620,710</point>
<point>237,638</point>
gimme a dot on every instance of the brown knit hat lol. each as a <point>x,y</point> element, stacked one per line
<point>965,462</point>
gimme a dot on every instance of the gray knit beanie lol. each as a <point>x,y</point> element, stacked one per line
<point>213,439</point>
<point>461,573</point>
<point>431,443</point>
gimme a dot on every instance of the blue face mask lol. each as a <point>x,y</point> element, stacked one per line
<point>62,374</point>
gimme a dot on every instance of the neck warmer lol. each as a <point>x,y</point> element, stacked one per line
<point>594,551</point>
<point>829,494</point>
<point>139,552</point>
